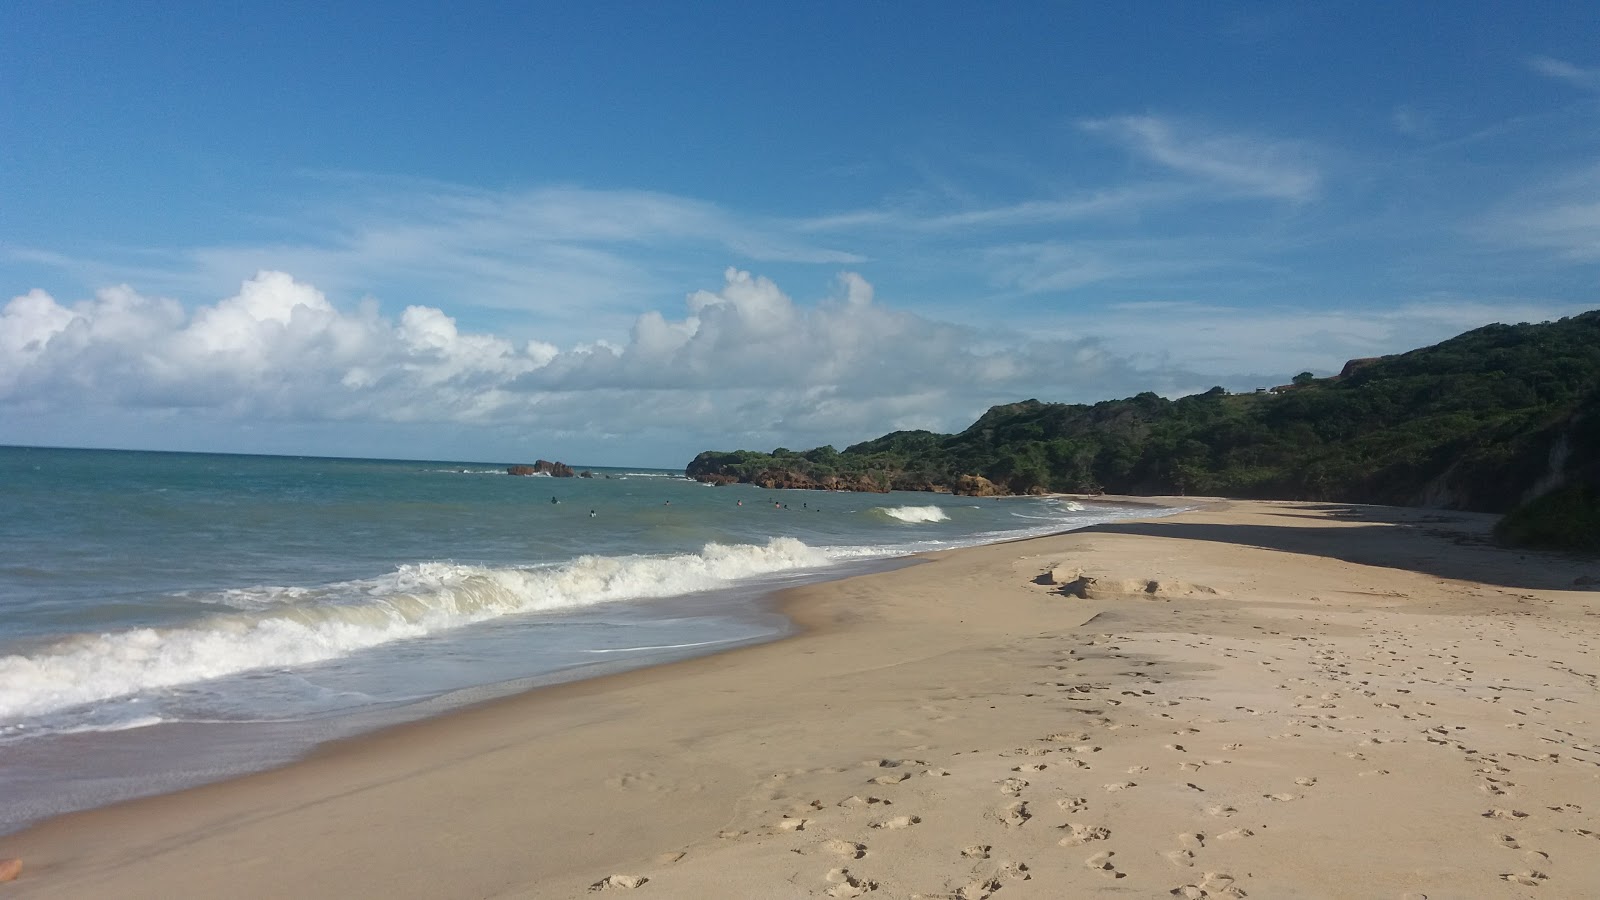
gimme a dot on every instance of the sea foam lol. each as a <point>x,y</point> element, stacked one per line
<point>273,627</point>
<point>915,515</point>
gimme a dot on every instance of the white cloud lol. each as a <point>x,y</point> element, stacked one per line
<point>1249,165</point>
<point>1090,206</point>
<point>1412,122</point>
<point>572,255</point>
<point>1561,70</point>
<point>1561,216</point>
<point>1221,344</point>
<point>742,365</point>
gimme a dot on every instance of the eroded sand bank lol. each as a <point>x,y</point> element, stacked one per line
<point>1254,699</point>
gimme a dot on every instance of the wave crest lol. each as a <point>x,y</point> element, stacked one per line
<point>914,515</point>
<point>284,626</point>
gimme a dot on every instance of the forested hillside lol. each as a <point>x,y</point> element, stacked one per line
<point>1487,420</point>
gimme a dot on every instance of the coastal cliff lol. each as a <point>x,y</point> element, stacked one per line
<point>1491,421</point>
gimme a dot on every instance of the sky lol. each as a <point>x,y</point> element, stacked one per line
<point>622,233</point>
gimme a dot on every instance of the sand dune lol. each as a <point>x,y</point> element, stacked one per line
<point>1254,699</point>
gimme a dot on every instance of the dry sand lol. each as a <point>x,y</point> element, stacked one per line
<point>1255,699</point>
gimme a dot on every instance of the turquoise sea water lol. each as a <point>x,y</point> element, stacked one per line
<point>171,618</point>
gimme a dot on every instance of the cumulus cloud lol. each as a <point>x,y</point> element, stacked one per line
<point>277,349</point>
<point>742,365</point>
<point>280,350</point>
<point>1249,165</point>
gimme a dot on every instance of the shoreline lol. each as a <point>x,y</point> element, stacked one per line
<point>936,687</point>
<point>190,754</point>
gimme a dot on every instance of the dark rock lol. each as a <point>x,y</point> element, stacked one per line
<point>544,467</point>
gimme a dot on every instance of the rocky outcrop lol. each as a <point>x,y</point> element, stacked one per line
<point>978,486</point>
<point>543,467</point>
<point>1355,365</point>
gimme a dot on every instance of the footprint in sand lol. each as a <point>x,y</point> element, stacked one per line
<point>1305,781</point>
<point>628,781</point>
<point>847,885</point>
<point>793,824</point>
<point>1119,786</point>
<point>1282,798</point>
<point>1083,834</point>
<point>1183,859</point>
<point>611,882</point>
<point>1191,840</point>
<point>855,801</point>
<point>1014,814</point>
<point>851,849</point>
<point>981,889</point>
<point>1035,767</point>
<point>1235,834</point>
<point>1072,804</point>
<point>1530,878</point>
<point>897,822</point>
<point>976,851</point>
<point>1222,811</point>
<point>895,778</point>
<point>1012,786</point>
<point>1213,884</point>
<point>1101,862</point>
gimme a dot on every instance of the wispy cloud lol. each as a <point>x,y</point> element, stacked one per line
<point>1561,70</point>
<point>1082,207</point>
<point>1413,122</point>
<point>1253,166</point>
<point>565,253</point>
<point>1562,217</point>
<point>1045,267</point>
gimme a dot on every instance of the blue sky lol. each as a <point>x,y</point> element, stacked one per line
<point>625,233</point>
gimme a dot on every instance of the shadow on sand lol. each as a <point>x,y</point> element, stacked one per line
<point>1441,543</point>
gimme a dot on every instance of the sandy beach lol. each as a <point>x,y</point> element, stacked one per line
<point>1250,699</point>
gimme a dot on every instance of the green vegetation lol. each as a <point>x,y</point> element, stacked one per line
<point>1480,422</point>
<point>1567,518</point>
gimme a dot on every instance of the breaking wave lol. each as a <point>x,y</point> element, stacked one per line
<point>915,515</point>
<point>270,627</point>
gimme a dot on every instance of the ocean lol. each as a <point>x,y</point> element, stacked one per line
<point>168,619</point>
